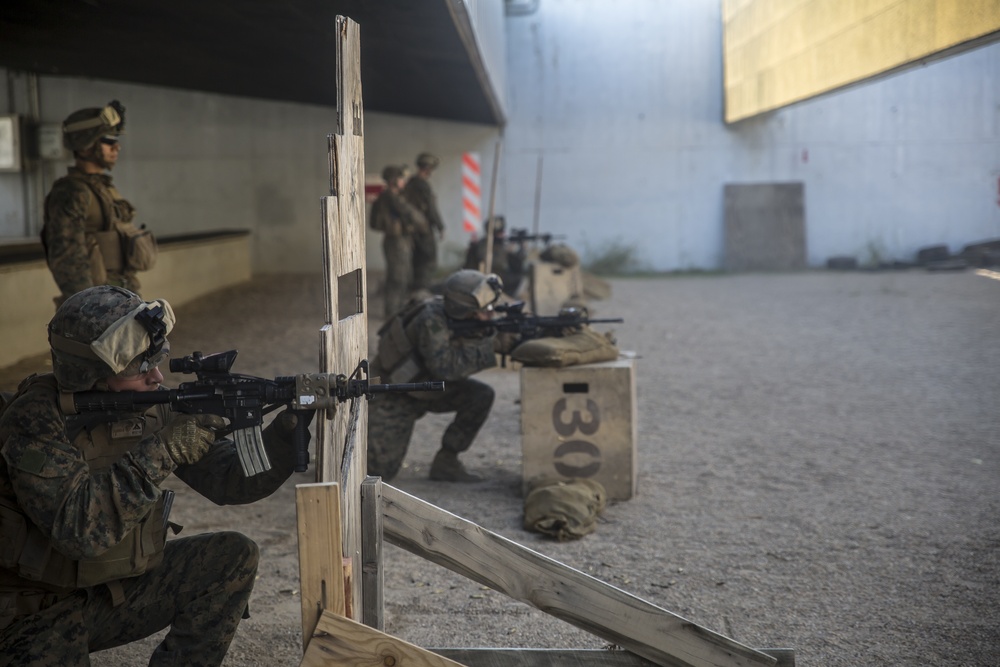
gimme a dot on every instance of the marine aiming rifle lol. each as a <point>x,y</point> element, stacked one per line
<point>522,235</point>
<point>242,399</point>
<point>527,326</point>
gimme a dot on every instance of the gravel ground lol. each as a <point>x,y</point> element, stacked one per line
<point>818,460</point>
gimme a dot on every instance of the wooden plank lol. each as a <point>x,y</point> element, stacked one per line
<point>372,573</point>
<point>519,657</point>
<point>321,573</point>
<point>345,337</point>
<point>556,589</point>
<point>341,641</point>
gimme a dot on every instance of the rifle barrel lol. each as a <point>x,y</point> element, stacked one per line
<point>406,386</point>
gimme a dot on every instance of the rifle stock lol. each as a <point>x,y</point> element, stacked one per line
<point>243,400</point>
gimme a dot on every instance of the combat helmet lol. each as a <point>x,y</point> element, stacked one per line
<point>83,128</point>
<point>392,173</point>
<point>427,161</point>
<point>104,331</point>
<point>499,225</point>
<point>468,291</point>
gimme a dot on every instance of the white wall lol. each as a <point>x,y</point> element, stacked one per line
<point>623,101</point>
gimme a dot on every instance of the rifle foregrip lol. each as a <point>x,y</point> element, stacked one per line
<point>300,440</point>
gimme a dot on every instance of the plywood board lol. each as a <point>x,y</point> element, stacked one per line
<point>344,340</point>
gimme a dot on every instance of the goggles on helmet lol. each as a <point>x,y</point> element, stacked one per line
<point>109,117</point>
<point>134,344</point>
<point>488,292</point>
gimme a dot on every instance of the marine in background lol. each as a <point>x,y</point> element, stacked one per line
<point>417,345</point>
<point>400,222</point>
<point>89,235</point>
<point>84,564</point>
<point>508,259</point>
<point>418,192</point>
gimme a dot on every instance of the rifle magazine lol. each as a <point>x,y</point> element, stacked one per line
<point>251,451</point>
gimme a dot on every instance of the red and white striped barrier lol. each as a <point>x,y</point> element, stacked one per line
<point>471,196</point>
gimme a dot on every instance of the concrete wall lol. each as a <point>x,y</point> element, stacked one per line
<point>183,272</point>
<point>195,161</point>
<point>624,105</point>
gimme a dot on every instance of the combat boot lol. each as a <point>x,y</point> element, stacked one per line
<point>447,468</point>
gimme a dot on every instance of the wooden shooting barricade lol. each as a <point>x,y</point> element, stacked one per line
<point>343,518</point>
<point>579,422</point>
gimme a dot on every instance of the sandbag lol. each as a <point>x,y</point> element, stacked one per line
<point>585,346</point>
<point>565,510</point>
<point>560,254</point>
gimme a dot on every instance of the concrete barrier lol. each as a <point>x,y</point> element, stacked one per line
<point>188,267</point>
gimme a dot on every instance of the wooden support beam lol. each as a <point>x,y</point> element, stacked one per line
<point>523,657</point>
<point>341,641</point>
<point>321,573</point>
<point>372,573</point>
<point>557,589</point>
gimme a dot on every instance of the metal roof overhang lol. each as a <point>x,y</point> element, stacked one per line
<point>417,58</point>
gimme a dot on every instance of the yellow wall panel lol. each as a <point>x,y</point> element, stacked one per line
<point>778,52</point>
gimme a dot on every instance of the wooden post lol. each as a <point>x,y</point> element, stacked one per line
<point>372,573</point>
<point>321,575</point>
<point>342,441</point>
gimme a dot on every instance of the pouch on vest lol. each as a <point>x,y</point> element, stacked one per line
<point>397,357</point>
<point>123,245</point>
<point>138,246</point>
<point>126,247</point>
<point>140,551</point>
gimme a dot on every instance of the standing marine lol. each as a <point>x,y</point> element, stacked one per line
<point>84,561</point>
<point>399,221</point>
<point>417,345</point>
<point>89,235</point>
<point>419,193</point>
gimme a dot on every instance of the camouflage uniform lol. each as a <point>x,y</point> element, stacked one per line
<point>399,222</point>
<point>442,356</point>
<point>418,192</point>
<point>78,206</point>
<point>83,506</point>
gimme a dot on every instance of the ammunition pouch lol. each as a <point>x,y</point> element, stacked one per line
<point>26,551</point>
<point>397,356</point>
<point>28,557</point>
<point>127,247</point>
<point>122,245</point>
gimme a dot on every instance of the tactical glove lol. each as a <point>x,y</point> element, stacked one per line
<point>189,437</point>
